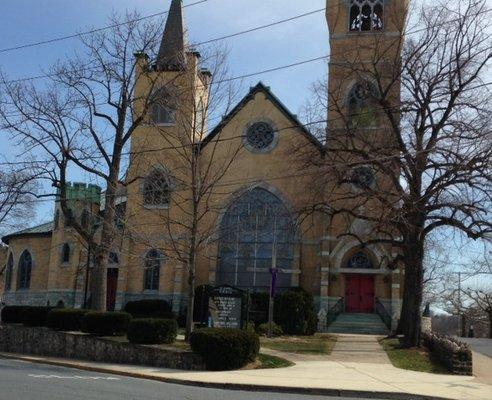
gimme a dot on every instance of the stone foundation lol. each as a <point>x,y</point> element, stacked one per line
<point>45,342</point>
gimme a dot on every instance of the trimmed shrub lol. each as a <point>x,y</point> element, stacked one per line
<point>152,331</point>
<point>262,330</point>
<point>294,312</point>
<point>258,307</point>
<point>66,319</point>
<point>152,308</point>
<point>224,348</point>
<point>105,323</point>
<point>13,314</point>
<point>35,316</point>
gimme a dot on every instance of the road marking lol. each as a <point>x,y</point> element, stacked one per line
<point>87,378</point>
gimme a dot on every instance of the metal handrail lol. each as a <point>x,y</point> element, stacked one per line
<point>334,312</point>
<point>382,312</point>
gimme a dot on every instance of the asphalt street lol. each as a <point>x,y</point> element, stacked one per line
<point>20,380</point>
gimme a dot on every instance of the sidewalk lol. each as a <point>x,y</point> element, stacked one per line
<point>334,378</point>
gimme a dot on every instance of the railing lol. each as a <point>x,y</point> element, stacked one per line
<point>334,312</point>
<point>382,312</point>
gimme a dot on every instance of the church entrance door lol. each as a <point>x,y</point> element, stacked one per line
<point>111,288</point>
<point>359,293</point>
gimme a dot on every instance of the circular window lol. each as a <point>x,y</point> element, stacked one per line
<point>260,136</point>
<point>363,177</point>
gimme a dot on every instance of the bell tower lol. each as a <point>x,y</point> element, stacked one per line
<point>365,38</point>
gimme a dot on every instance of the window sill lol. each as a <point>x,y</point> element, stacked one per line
<point>165,124</point>
<point>65,265</point>
<point>148,291</point>
<point>156,207</point>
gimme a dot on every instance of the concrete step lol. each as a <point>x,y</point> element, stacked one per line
<point>370,324</point>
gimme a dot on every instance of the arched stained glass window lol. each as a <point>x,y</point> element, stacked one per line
<point>366,15</point>
<point>361,104</point>
<point>152,267</point>
<point>156,189</point>
<point>113,258</point>
<point>360,260</point>
<point>8,272</point>
<point>24,270</point>
<point>256,226</point>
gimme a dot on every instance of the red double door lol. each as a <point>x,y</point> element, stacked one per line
<point>359,293</point>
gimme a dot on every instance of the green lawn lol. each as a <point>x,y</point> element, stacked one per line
<point>317,344</point>
<point>414,359</point>
<point>268,361</point>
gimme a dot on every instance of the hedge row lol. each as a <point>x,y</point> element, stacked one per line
<point>225,349</point>
<point>105,323</point>
<point>66,319</point>
<point>27,315</point>
<point>152,331</point>
<point>149,309</point>
<point>453,354</point>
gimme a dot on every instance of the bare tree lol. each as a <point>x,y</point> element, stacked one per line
<point>414,164</point>
<point>18,190</point>
<point>195,161</point>
<point>83,116</point>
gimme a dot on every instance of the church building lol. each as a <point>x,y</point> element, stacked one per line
<point>265,172</point>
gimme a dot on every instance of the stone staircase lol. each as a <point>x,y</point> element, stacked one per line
<point>364,324</point>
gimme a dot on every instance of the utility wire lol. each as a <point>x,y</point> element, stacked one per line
<point>75,35</point>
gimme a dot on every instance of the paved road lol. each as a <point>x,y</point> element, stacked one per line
<point>482,346</point>
<point>20,380</point>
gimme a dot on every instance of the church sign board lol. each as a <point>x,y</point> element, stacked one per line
<point>225,307</point>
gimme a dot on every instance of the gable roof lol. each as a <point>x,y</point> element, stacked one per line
<point>39,230</point>
<point>260,87</point>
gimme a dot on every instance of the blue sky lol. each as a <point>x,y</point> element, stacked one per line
<point>27,21</point>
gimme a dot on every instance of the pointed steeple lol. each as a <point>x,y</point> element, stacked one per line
<point>172,53</point>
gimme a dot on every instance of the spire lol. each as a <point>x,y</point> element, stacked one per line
<point>172,53</point>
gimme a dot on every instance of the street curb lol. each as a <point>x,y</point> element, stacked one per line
<point>233,386</point>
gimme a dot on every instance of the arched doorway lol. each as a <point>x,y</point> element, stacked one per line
<point>254,227</point>
<point>359,287</point>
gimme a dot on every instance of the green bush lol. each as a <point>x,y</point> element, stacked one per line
<point>258,307</point>
<point>152,308</point>
<point>224,348</point>
<point>35,316</point>
<point>13,314</point>
<point>262,330</point>
<point>65,319</point>
<point>105,323</point>
<point>294,312</point>
<point>152,331</point>
<point>27,315</point>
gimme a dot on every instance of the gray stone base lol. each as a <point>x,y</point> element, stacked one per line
<point>45,342</point>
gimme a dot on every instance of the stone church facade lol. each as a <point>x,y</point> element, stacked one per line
<point>268,173</point>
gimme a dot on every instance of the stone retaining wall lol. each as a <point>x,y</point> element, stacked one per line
<point>455,355</point>
<point>45,342</point>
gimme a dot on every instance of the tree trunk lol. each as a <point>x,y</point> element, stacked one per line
<point>490,325</point>
<point>191,303</point>
<point>411,319</point>
<point>463,325</point>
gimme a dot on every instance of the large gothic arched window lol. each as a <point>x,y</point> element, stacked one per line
<point>255,228</point>
<point>24,270</point>
<point>8,272</point>
<point>366,15</point>
<point>361,105</point>
<point>156,190</point>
